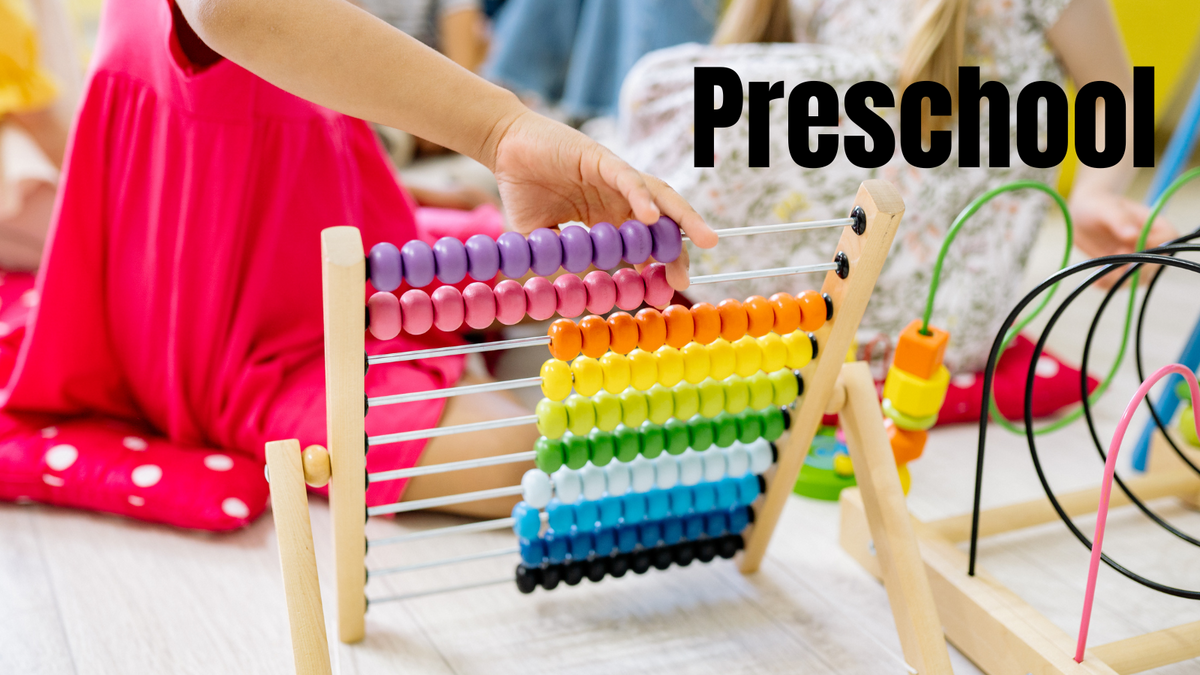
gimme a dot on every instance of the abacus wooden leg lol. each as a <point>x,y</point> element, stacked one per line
<point>293,530</point>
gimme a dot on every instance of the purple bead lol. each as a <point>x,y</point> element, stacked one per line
<point>514,255</point>
<point>483,257</point>
<point>577,249</point>
<point>545,252</point>
<point>635,237</point>
<point>419,266</point>
<point>668,240</point>
<point>451,257</point>
<point>386,268</point>
<point>606,246</point>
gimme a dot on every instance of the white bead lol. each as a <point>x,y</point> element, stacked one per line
<point>536,489</point>
<point>691,467</point>
<point>567,485</point>
<point>666,471</point>
<point>642,474</point>
<point>594,482</point>
<point>737,460</point>
<point>761,456</point>
<point>714,465</point>
<point>618,478</point>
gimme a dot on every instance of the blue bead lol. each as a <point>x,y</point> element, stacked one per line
<point>610,511</point>
<point>586,515</point>
<point>560,516</point>
<point>681,500</point>
<point>748,489</point>
<point>606,540</point>
<point>633,508</point>
<point>556,547</point>
<point>533,552</point>
<point>727,492</point>
<point>739,518</point>
<point>651,534</point>
<point>715,524</point>
<point>527,521</point>
<point>658,504</point>
<point>693,527</point>
<point>672,530</point>
<point>627,538</point>
<point>581,545</point>
<point>704,497</point>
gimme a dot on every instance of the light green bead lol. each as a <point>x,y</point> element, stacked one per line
<point>712,398</point>
<point>634,408</point>
<point>552,418</point>
<point>687,400</point>
<point>661,404</point>
<point>786,386</point>
<point>608,410</point>
<point>762,394</point>
<point>581,415</point>
<point>737,395</point>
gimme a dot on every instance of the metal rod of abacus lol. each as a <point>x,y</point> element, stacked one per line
<point>396,474</point>
<point>419,434</point>
<point>515,343</point>
<point>436,591</point>
<point>468,528</point>
<point>435,502</point>
<point>781,227</point>
<point>444,561</point>
<point>502,385</point>
<point>763,274</point>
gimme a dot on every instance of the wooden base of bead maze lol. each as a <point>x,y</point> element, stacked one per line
<point>990,624</point>
<point>830,386</point>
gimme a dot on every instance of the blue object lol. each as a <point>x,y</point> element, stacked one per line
<point>528,523</point>
<point>658,504</point>
<point>739,518</point>
<point>606,541</point>
<point>672,530</point>
<point>533,552</point>
<point>633,508</point>
<point>587,514</point>
<point>704,497</point>
<point>610,511</point>
<point>556,546</point>
<point>627,538</point>
<point>748,489</point>
<point>560,516</point>
<point>582,545</point>
<point>727,492</point>
<point>715,523</point>
<point>651,534</point>
<point>693,527</point>
<point>681,500</point>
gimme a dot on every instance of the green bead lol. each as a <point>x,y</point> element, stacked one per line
<point>581,414</point>
<point>661,404</point>
<point>603,447</point>
<point>549,454</point>
<point>772,421</point>
<point>786,386</point>
<point>678,438</point>
<point>762,394</point>
<point>578,451</point>
<point>712,398</point>
<point>608,410</point>
<point>687,400</point>
<point>634,408</point>
<point>737,394</point>
<point>629,443</point>
<point>654,441</point>
<point>725,430</point>
<point>750,426</point>
<point>552,418</point>
<point>700,431</point>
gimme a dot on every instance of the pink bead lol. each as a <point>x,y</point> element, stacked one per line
<point>540,298</point>
<point>447,308</point>
<point>658,291</point>
<point>630,289</point>
<point>572,295</point>
<point>384,309</point>
<point>417,311</point>
<point>510,302</point>
<point>480,305</point>
<point>601,292</point>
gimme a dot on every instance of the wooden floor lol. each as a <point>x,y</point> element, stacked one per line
<point>82,593</point>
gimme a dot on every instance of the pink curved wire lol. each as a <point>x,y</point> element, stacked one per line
<point>1110,467</point>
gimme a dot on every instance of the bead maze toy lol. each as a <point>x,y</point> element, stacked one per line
<point>682,438</point>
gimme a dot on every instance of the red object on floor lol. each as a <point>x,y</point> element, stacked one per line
<point>1056,386</point>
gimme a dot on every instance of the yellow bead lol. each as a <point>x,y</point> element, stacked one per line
<point>799,349</point>
<point>721,359</point>
<point>1187,429</point>
<point>915,396</point>
<point>842,465</point>
<point>687,400</point>
<point>634,408</point>
<point>749,356</point>
<point>556,379</point>
<point>552,418</point>
<point>643,370</point>
<point>581,415</point>
<point>712,398</point>
<point>661,404</point>
<point>737,395</point>
<point>315,460</point>
<point>589,376</point>
<point>695,362</point>
<point>608,411</point>
<point>905,478</point>
<point>774,353</point>
<point>762,394</point>
<point>616,372</point>
<point>670,365</point>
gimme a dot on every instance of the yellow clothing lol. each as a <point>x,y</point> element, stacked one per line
<point>24,85</point>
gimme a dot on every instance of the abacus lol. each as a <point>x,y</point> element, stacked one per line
<point>683,437</point>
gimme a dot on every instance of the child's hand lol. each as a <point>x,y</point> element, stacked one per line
<point>549,174</point>
<point>1109,224</point>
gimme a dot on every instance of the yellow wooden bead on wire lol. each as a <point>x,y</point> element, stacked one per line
<point>762,394</point>
<point>695,362</point>
<point>634,408</point>
<point>660,403</point>
<point>552,418</point>
<point>608,410</point>
<point>749,356</point>
<point>774,353</point>
<point>643,370</point>
<point>581,414</point>
<point>799,349</point>
<point>712,398</point>
<point>915,396</point>
<point>589,376</point>
<point>616,372</point>
<point>722,360</point>
<point>737,395</point>
<point>687,400</point>
<point>556,379</point>
<point>670,365</point>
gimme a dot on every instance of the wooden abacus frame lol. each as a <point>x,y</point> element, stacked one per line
<point>830,386</point>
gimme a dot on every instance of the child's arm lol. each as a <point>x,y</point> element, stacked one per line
<point>461,38</point>
<point>334,54</point>
<point>1089,43</point>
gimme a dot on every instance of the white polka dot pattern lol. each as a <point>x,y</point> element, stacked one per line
<point>61,457</point>
<point>134,443</point>
<point>218,462</point>
<point>146,475</point>
<point>235,508</point>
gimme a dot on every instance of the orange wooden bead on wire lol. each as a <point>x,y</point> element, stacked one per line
<point>706,323</point>
<point>787,313</point>
<point>680,326</point>
<point>906,445</point>
<point>812,310</point>
<point>652,329</point>
<point>623,333</point>
<point>920,354</point>
<point>733,319</point>
<point>595,336</point>
<point>760,316</point>
<point>565,340</point>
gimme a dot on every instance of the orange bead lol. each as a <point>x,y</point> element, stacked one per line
<point>565,340</point>
<point>920,354</point>
<point>680,327</point>
<point>706,321</point>
<point>733,319</point>
<point>652,329</point>
<point>760,316</point>
<point>623,333</point>
<point>787,313</point>
<point>812,310</point>
<point>906,445</point>
<point>594,331</point>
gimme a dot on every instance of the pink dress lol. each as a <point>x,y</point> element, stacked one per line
<point>179,322</point>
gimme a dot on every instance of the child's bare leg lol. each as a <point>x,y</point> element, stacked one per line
<point>465,410</point>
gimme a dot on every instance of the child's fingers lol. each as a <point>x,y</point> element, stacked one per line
<point>681,212</point>
<point>632,185</point>
<point>677,272</point>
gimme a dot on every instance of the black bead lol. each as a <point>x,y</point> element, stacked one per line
<point>662,557</point>
<point>860,220</point>
<point>843,264</point>
<point>727,547</point>
<point>641,562</point>
<point>573,573</point>
<point>774,452</point>
<point>366,363</point>
<point>551,575</point>
<point>762,484</point>
<point>366,443</point>
<point>828,306</point>
<point>366,479</point>
<point>366,404</point>
<point>813,339</point>
<point>799,383</point>
<point>597,568</point>
<point>685,553</point>
<point>706,550</point>
<point>749,515</point>
<point>787,417</point>
<point>367,313</point>
<point>619,565</point>
<point>527,578</point>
